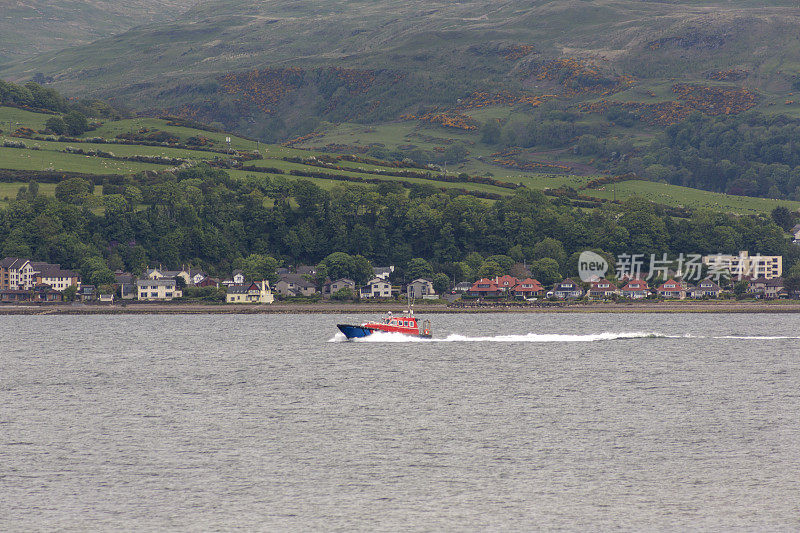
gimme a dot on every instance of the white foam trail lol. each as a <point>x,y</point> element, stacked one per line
<point>754,338</point>
<point>530,337</point>
<point>339,337</point>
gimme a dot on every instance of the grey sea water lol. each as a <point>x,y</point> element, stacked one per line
<point>502,422</point>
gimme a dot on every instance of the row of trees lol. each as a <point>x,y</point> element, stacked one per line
<point>201,216</point>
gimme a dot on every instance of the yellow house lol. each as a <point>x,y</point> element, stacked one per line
<point>252,293</point>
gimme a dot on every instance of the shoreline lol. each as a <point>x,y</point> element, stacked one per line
<point>135,308</point>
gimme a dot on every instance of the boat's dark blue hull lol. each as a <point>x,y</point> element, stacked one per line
<point>354,332</point>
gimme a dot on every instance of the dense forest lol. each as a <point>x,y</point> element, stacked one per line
<point>201,216</point>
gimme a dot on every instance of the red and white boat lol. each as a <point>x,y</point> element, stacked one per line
<point>407,325</point>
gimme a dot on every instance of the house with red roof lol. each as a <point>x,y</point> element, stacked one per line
<point>602,288</point>
<point>506,283</point>
<point>674,289</point>
<point>635,289</point>
<point>484,287</point>
<point>527,288</point>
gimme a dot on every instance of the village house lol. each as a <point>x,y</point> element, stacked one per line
<point>126,283</point>
<point>16,274</point>
<point>567,289</point>
<point>506,283</point>
<point>774,289</point>
<point>332,287</point>
<point>527,288</point>
<point>484,287</point>
<point>706,289</point>
<point>38,294</point>
<point>249,293</point>
<point>602,288</point>
<point>376,288</point>
<point>236,279</point>
<point>157,290</point>
<point>462,287</point>
<point>635,289</point>
<point>420,288</point>
<point>55,277</point>
<point>208,281</point>
<point>382,272</point>
<point>86,293</point>
<point>295,285</point>
<point>674,289</point>
<point>757,286</point>
<point>795,231</point>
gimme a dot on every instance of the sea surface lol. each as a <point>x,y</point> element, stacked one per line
<point>501,422</point>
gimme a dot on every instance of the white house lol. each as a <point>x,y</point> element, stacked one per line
<point>154,290</point>
<point>250,293</point>
<point>377,288</point>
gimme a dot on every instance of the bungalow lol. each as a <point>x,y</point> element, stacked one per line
<point>295,285</point>
<point>462,287</point>
<point>249,293</point>
<point>377,288</point>
<point>674,289</point>
<point>527,288</point>
<point>706,288</point>
<point>150,290</point>
<point>38,294</point>
<point>567,289</point>
<point>420,288</point>
<point>602,288</point>
<point>332,287</point>
<point>484,287</point>
<point>635,289</point>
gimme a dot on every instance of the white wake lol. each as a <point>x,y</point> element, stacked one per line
<point>381,337</point>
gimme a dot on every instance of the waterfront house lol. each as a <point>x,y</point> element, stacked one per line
<point>567,289</point>
<point>527,288</point>
<point>635,289</point>
<point>38,294</point>
<point>56,277</point>
<point>236,279</point>
<point>602,288</point>
<point>744,264</point>
<point>86,293</point>
<point>774,289</point>
<point>250,293</point>
<point>126,282</point>
<point>706,289</point>
<point>376,288</point>
<point>208,281</point>
<point>673,289</point>
<point>484,287</point>
<point>420,288</point>
<point>506,283</point>
<point>332,287</point>
<point>295,285</point>
<point>157,290</point>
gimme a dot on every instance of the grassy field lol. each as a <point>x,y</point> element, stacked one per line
<point>18,159</point>
<point>675,195</point>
